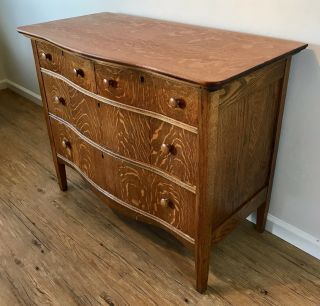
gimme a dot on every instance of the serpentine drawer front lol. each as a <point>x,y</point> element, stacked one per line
<point>172,124</point>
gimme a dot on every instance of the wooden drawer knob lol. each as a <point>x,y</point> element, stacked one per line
<point>110,83</point>
<point>167,148</point>
<point>165,202</point>
<point>45,56</point>
<point>59,100</point>
<point>78,72</point>
<point>176,103</point>
<point>66,144</point>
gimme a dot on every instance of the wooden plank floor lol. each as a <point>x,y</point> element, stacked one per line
<point>68,248</point>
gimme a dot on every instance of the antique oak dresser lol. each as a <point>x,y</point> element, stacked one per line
<point>173,124</point>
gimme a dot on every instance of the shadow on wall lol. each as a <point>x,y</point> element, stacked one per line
<point>296,192</point>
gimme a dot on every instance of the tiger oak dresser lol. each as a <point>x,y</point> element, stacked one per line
<point>175,125</point>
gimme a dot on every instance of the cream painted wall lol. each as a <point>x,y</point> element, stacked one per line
<point>296,193</point>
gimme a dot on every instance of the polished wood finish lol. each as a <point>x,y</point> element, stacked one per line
<point>207,178</point>
<point>55,60</point>
<point>149,91</point>
<point>128,183</point>
<point>248,111</point>
<point>262,211</point>
<point>49,56</point>
<point>210,57</point>
<point>80,71</point>
<point>80,110</point>
<point>67,248</point>
<point>239,215</point>
<point>77,69</point>
<point>193,153</point>
<point>126,133</point>
<point>180,156</point>
<point>119,105</point>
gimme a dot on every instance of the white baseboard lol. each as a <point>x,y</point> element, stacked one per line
<point>291,234</point>
<point>22,91</point>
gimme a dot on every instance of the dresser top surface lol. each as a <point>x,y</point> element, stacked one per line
<point>206,56</point>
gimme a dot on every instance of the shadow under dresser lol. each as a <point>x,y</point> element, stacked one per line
<point>172,124</point>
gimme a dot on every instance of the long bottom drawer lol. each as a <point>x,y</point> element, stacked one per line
<point>127,182</point>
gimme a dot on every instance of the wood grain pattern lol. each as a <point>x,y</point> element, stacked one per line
<point>125,132</point>
<point>209,57</point>
<point>148,91</point>
<point>207,182</point>
<point>87,80</point>
<point>129,134</point>
<point>127,182</point>
<point>245,141</point>
<point>56,59</point>
<point>121,157</point>
<point>182,160</point>
<point>59,167</point>
<point>133,109</point>
<point>262,211</point>
<point>64,63</point>
<point>78,109</point>
<point>239,215</point>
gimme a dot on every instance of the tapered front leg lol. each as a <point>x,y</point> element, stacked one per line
<point>208,127</point>
<point>202,262</point>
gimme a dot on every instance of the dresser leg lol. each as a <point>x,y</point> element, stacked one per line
<point>262,213</point>
<point>202,262</point>
<point>61,175</point>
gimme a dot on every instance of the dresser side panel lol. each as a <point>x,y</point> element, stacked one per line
<point>248,111</point>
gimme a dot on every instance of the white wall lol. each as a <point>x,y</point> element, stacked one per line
<point>296,193</point>
<point>2,72</point>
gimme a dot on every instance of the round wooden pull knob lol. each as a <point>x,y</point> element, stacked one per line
<point>59,100</point>
<point>166,148</point>
<point>176,103</point>
<point>45,56</point>
<point>110,83</point>
<point>66,143</point>
<point>78,72</point>
<point>165,202</point>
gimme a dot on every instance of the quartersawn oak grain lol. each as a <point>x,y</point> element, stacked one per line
<point>148,91</point>
<point>129,134</point>
<point>246,136</point>
<point>137,187</point>
<point>60,167</point>
<point>201,55</point>
<point>80,110</point>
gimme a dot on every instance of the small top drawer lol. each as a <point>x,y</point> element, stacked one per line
<point>50,57</point>
<point>176,99</point>
<point>80,71</point>
<point>77,69</point>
